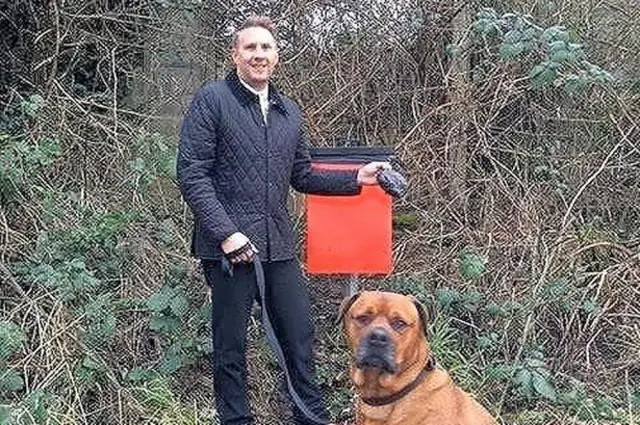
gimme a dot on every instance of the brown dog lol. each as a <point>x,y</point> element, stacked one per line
<point>394,372</point>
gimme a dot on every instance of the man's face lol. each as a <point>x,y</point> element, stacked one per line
<point>255,55</point>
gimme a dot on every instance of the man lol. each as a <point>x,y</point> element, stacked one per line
<point>241,145</point>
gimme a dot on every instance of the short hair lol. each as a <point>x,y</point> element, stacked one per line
<point>252,22</point>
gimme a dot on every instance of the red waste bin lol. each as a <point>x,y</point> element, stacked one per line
<point>349,234</point>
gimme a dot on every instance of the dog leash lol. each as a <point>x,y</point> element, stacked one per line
<point>270,334</point>
<point>392,398</point>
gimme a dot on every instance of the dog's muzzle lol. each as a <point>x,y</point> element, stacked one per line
<point>377,351</point>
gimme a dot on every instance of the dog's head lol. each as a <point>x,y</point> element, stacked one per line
<point>385,330</point>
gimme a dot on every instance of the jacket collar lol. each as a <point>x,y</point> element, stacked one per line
<point>246,97</point>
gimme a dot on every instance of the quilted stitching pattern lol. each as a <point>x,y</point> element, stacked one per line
<point>234,172</point>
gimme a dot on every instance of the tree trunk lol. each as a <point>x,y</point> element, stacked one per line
<point>458,87</point>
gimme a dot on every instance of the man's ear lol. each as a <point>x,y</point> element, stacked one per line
<point>345,305</point>
<point>233,55</point>
<point>422,314</point>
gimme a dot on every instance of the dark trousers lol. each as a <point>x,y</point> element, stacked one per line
<point>288,308</point>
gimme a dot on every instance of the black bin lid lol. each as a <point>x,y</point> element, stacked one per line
<point>351,154</point>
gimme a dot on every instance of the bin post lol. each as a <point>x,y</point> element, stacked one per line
<point>350,286</point>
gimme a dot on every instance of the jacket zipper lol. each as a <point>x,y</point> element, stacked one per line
<point>266,160</point>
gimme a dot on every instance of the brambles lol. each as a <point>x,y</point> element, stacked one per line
<point>553,56</point>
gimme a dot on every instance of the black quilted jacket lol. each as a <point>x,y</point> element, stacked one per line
<point>234,171</point>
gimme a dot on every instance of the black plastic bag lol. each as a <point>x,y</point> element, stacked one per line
<point>392,182</point>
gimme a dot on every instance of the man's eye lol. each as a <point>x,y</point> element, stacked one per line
<point>363,319</point>
<point>399,325</point>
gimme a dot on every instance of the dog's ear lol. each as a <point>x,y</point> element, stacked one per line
<point>422,313</point>
<point>345,305</point>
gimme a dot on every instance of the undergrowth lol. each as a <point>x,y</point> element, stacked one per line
<point>530,273</point>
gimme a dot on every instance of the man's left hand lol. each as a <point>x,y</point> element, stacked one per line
<point>367,173</point>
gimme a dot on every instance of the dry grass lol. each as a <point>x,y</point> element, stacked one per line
<point>542,185</point>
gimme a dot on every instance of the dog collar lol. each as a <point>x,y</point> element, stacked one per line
<point>392,398</point>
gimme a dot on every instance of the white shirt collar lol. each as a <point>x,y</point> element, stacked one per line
<point>264,93</point>
<point>263,97</point>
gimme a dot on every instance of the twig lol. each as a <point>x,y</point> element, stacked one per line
<point>623,139</point>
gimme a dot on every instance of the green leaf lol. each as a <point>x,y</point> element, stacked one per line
<point>486,26</point>
<point>447,297</point>
<point>88,372</point>
<point>36,402</point>
<point>31,107</point>
<point>576,51</point>
<point>499,372</point>
<point>10,380</point>
<point>591,307</point>
<point>487,341</point>
<point>543,74</point>
<point>556,289</point>
<point>205,345</point>
<point>600,74</point>
<point>529,34</point>
<point>5,415</point>
<point>171,364</point>
<point>495,310</point>
<point>164,233</point>
<point>543,386</point>
<point>510,51</point>
<point>557,45</point>
<point>11,339</point>
<point>574,84</point>
<point>535,363</point>
<point>513,307</point>
<point>558,51</point>
<point>179,305</point>
<point>45,153</point>
<point>513,36</point>
<point>177,274</point>
<point>555,33</point>
<point>452,50</point>
<point>204,313</point>
<point>164,324</point>
<point>523,379</point>
<point>572,396</point>
<point>472,265</point>
<point>137,374</point>
<point>487,13</point>
<point>161,299</point>
<point>634,398</point>
<point>90,363</point>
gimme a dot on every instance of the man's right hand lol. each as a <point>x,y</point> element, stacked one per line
<point>236,242</point>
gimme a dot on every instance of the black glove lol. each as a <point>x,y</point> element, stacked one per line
<point>392,182</point>
<point>233,257</point>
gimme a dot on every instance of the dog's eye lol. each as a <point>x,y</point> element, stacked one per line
<point>399,325</point>
<point>363,319</point>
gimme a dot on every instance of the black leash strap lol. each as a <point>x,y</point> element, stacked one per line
<point>273,340</point>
